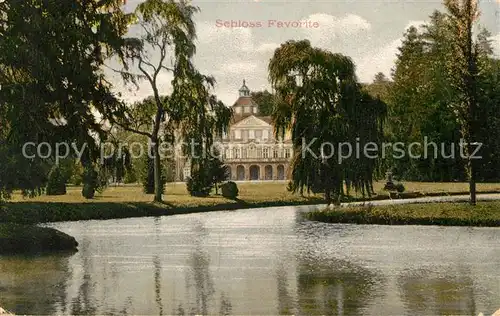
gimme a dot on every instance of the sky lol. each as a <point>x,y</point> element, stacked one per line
<point>369,31</point>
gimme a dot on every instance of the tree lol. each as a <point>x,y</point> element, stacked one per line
<point>319,99</point>
<point>168,28</point>
<point>265,100</point>
<point>148,176</point>
<point>218,172</point>
<point>380,87</point>
<point>56,184</point>
<point>200,183</point>
<point>51,80</point>
<point>464,70</point>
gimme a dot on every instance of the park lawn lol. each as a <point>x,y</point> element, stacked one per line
<point>130,201</point>
<point>175,195</point>
<point>251,192</point>
<point>445,214</point>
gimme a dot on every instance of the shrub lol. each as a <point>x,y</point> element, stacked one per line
<point>57,182</point>
<point>199,185</point>
<point>90,182</point>
<point>400,188</point>
<point>229,190</point>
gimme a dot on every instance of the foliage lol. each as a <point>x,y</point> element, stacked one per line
<point>117,164</point>
<point>380,87</point>
<point>424,99</point>
<point>229,190</point>
<point>90,182</point>
<point>265,100</point>
<point>199,184</point>
<point>147,176</point>
<point>320,99</point>
<point>51,79</point>
<point>400,187</point>
<point>218,171</point>
<point>168,28</point>
<point>57,182</point>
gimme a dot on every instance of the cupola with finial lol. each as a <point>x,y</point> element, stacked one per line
<point>244,91</point>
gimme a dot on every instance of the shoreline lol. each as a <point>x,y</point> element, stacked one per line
<point>30,212</point>
<point>448,213</point>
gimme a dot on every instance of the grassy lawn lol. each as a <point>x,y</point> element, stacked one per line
<point>130,201</point>
<point>446,214</point>
<point>177,195</point>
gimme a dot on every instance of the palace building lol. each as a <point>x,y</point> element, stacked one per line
<point>250,148</point>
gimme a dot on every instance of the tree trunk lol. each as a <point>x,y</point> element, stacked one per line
<point>472,180</point>
<point>157,172</point>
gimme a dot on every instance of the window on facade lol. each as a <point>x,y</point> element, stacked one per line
<point>265,153</point>
<point>266,134</point>
<point>237,134</point>
<point>245,134</point>
<point>227,153</point>
<point>236,153</point>
<point>246,109</point>
<point>258,134</point>
<point>287,153</point>
<point>237,109</point>
<point>275,153</point>
<point>251,134</point>
<point>254,110</point>
<point>244,153</point>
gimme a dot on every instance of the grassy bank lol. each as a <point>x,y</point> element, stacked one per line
<point>16,238</point>
<point>130,201</point>
<point>445,214</point>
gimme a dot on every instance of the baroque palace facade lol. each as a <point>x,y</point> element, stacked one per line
<point>250,148</point>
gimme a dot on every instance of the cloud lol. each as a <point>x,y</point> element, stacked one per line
<point>495,42</point>
<point>332,28</point>
<point>267,47</point>
<point>239,67</point>
<point>382,59</point>
<point>379,60</point>
<point>221,37</point>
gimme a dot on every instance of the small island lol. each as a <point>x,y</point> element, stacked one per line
<point>22,239</point>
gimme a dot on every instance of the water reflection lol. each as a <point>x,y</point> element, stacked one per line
<point>257,262</point>
<point>427,294</point>
<point>34,283</point>
<point>285,300</point>
<point>336,287</point>
<point>157,269</point>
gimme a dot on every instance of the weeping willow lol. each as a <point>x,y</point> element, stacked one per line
<point>320,99</point>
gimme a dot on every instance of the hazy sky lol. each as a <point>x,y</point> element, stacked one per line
<point>367,31</point>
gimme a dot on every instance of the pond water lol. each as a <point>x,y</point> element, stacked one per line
<point>260,261</point>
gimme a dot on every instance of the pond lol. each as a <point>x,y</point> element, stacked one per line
<point>260,261</point>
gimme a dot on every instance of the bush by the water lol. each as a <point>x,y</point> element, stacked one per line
<point>230,190</point>
<point>15,238</point>
<point>56,184</point>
